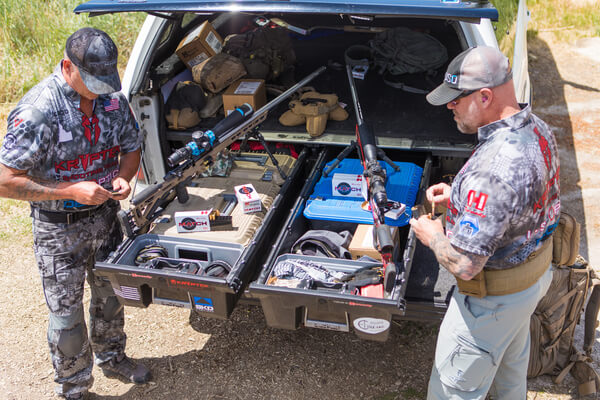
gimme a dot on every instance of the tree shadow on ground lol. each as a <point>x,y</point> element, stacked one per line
<point>549,103</point>
<point>268,363</point>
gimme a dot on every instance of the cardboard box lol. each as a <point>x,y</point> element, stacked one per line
<point>193,221</point>
<point>248,197</point>
<point>362,242</point>
<point>251,91</point>
<point>199,45</point>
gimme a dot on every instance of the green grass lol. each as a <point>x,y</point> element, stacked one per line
<point>32,39</point>
<point>33,34</point>
<point>507,11</point>
<point>567,19</point>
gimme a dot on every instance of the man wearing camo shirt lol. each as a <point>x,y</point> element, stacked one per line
<point>71,148</point>
<point>503,206</point>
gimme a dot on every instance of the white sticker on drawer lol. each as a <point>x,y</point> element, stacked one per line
<point>370,325</point>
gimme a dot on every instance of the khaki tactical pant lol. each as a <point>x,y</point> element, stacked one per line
<point>65,253</point>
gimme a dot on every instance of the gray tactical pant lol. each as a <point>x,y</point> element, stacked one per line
<point>483,346</point>
<point>65,253</point>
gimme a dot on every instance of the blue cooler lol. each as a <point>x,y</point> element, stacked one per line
<point>401,186</point>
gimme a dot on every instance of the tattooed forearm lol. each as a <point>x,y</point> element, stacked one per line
<point>458,262</point>
<point>17,184</point>
<point>33,189</point>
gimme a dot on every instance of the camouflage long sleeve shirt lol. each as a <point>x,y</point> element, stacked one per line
<point>506,199</point>
<point>51,138</point>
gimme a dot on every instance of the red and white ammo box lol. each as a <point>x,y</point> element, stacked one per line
<point>348,185</point>
<point>248,198</point>
<point>193,221</point>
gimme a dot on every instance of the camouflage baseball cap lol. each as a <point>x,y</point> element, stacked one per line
<point>95,54</point>
<point>473,69</point>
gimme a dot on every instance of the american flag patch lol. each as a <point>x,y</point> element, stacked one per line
<point>111,105</point>
<point>128,292</point>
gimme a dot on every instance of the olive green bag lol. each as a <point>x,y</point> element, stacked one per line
<point>558,313</point>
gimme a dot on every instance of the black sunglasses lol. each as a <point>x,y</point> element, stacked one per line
<point>465,94</point>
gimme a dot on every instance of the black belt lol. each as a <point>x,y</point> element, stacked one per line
<point>64,217</point>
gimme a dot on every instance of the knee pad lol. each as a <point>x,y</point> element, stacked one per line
<point>111,308</point>
<point>71,341</point>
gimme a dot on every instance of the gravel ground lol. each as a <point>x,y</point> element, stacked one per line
<point>241,358</point>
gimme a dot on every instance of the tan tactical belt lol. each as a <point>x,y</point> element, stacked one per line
<point>509,281</point>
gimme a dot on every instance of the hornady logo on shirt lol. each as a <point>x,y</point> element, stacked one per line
<point>476,202</point>
<point>85,160</point>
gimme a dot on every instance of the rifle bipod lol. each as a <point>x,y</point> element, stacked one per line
<point>351,147</point>
<point>255,134</point>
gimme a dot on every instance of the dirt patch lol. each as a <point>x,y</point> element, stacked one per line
<point>241,358</point>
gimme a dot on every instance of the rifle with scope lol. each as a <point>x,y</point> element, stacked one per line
<point>189,161</point>
<point>375,177</point>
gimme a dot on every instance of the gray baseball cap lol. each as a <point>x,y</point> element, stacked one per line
<point>473,69</point>
<point>95,54</point>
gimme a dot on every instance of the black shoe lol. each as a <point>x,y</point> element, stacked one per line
<point>125,368</point>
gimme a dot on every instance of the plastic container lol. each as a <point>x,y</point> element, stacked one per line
<point>401,186</point>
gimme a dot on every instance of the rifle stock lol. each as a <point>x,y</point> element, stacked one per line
<point>147,205</point>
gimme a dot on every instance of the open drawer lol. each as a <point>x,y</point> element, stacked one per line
<point>183,279</point>
<point>337,308</point>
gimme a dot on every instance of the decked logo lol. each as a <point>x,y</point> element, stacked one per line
<point>370,325</point>
<point>203,304</point>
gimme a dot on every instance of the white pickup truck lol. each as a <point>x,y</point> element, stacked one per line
<point>421,139</point>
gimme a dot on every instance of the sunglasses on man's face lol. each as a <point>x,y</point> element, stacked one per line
<point>463,94</point>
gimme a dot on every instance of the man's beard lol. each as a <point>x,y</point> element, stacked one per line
<point>466,127</point>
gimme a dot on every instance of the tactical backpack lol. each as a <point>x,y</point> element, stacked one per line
<point>402,50</point>
<point>398,52</point>
<point>266,53</point>
<point>558,312</point>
